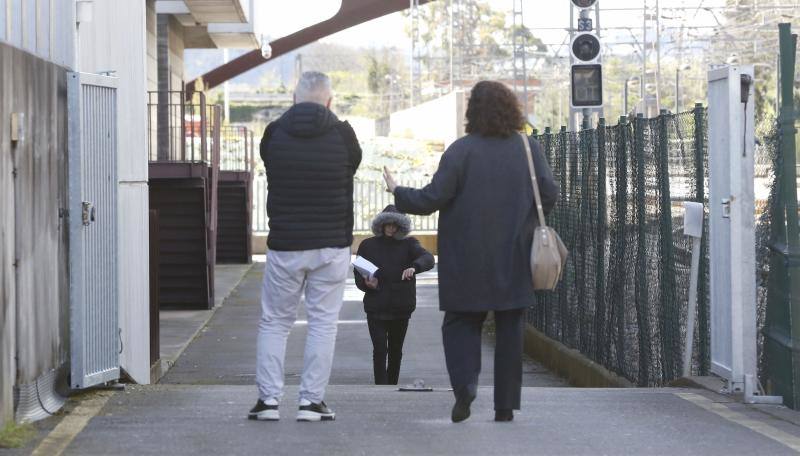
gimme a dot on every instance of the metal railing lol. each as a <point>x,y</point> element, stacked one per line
<point>237,149</point>
<point>369,198</point>
<point>179,130</point>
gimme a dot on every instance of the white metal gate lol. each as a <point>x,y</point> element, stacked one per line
<point>732,224</point>
<point>94,327</point>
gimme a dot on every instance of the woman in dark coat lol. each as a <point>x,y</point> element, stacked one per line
<point>391,296</point>
<point>487,216</point>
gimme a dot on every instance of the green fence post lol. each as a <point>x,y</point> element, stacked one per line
<point>548,145</point>
<point>600,245</point>
<point>641,292</point>
<point>547,299</point>
<point>671,346</point>
<point>702,283</point>
<point>563,211</point>
<point>783,295</point>
<point>620,244</point>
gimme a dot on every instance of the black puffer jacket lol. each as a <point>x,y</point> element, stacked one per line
<point>395,298</point>
<point>310,157</point>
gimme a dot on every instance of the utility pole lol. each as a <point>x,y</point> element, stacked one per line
<point>658,57</point>
<point>519,55</point>
<point>600,111</point>
<point>572,111</point>
<point>226,90</point>
<point>415,69</point>
<point>450,39</point>
<point>643,83</point>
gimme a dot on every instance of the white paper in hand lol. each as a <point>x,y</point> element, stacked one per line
<point>365,267</point>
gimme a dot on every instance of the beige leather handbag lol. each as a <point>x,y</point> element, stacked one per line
<point>548,253</point>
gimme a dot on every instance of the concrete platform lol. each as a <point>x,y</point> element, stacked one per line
<point>200,407</point>
<point>195,420</point>
<point>177,328</point>
<point>224,352</point>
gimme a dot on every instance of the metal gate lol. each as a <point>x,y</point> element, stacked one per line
<point>732,224</point>
<point>92,193</point>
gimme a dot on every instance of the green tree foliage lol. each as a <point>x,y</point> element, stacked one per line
<point>749,35</point>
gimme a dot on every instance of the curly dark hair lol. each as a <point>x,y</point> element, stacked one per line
<point>493,110</point>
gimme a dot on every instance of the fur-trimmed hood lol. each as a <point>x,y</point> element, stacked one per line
<point>390,214</point>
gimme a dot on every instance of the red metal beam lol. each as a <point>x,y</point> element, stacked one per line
<point>352,12</point>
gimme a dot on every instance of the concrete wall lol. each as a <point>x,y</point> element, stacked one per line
<point>176,49</point>
<point>441,119</point>
<point>116,40</point>
<point>152,55</point>
<point>33,303</point>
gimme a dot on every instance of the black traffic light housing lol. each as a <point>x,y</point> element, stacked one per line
<point>585,47</point>
<point>586,81</point>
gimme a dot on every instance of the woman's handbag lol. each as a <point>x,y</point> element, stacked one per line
<point>548,253</point>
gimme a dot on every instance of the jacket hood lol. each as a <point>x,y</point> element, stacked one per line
<point>390,214</point>
<point>308,120</point>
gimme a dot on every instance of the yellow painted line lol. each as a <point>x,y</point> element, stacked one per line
<point>62,435</point>
<point>762,428</point>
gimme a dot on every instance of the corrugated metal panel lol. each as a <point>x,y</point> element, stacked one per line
<point>93,184</point>
<point>38,400</point>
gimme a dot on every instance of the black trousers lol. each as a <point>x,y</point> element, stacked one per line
<point>461,334</point>
<point>387,341</point>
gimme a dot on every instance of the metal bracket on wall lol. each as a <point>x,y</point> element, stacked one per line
<point>17,127</point>
<point>88,213</point>
<point>726,207</point>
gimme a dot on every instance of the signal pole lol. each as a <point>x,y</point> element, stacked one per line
<point>586,76</point>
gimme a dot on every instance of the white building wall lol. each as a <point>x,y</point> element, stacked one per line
<point>44,28</point>
<point>115,40</point>
<point>441,119</point>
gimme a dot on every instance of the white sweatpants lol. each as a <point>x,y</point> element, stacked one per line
<point>321,273</point>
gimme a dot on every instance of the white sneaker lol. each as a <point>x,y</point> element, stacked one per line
<point>310,411</point>
<point>265,411</point>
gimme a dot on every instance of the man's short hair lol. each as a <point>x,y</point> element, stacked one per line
<point>314,87</point>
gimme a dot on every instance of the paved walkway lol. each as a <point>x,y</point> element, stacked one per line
<point>224,352</point>
<point>201,404</point>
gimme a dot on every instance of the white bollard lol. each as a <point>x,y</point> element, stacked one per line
<point>693,227</point>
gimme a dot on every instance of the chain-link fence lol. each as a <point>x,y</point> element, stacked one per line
<point>771,267</point>
<point>623,298</point>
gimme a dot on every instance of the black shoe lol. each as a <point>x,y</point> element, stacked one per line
<point>315,412</point>
<point>504,415</point>
<point>264,412</point>
<point>461,408</point>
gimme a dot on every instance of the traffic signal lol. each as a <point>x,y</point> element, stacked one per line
<point>587,85</point>
<point>586,72</point>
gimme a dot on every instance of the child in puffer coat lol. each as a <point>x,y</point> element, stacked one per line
<point>391,295</point>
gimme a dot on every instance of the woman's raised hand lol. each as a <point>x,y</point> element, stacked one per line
<point>390,183</point>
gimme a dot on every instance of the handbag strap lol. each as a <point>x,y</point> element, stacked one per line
<point>532,170</point>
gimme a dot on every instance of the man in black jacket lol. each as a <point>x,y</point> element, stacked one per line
<point>310,157</point>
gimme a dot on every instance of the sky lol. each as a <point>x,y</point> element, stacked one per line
<point>621,19</point>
